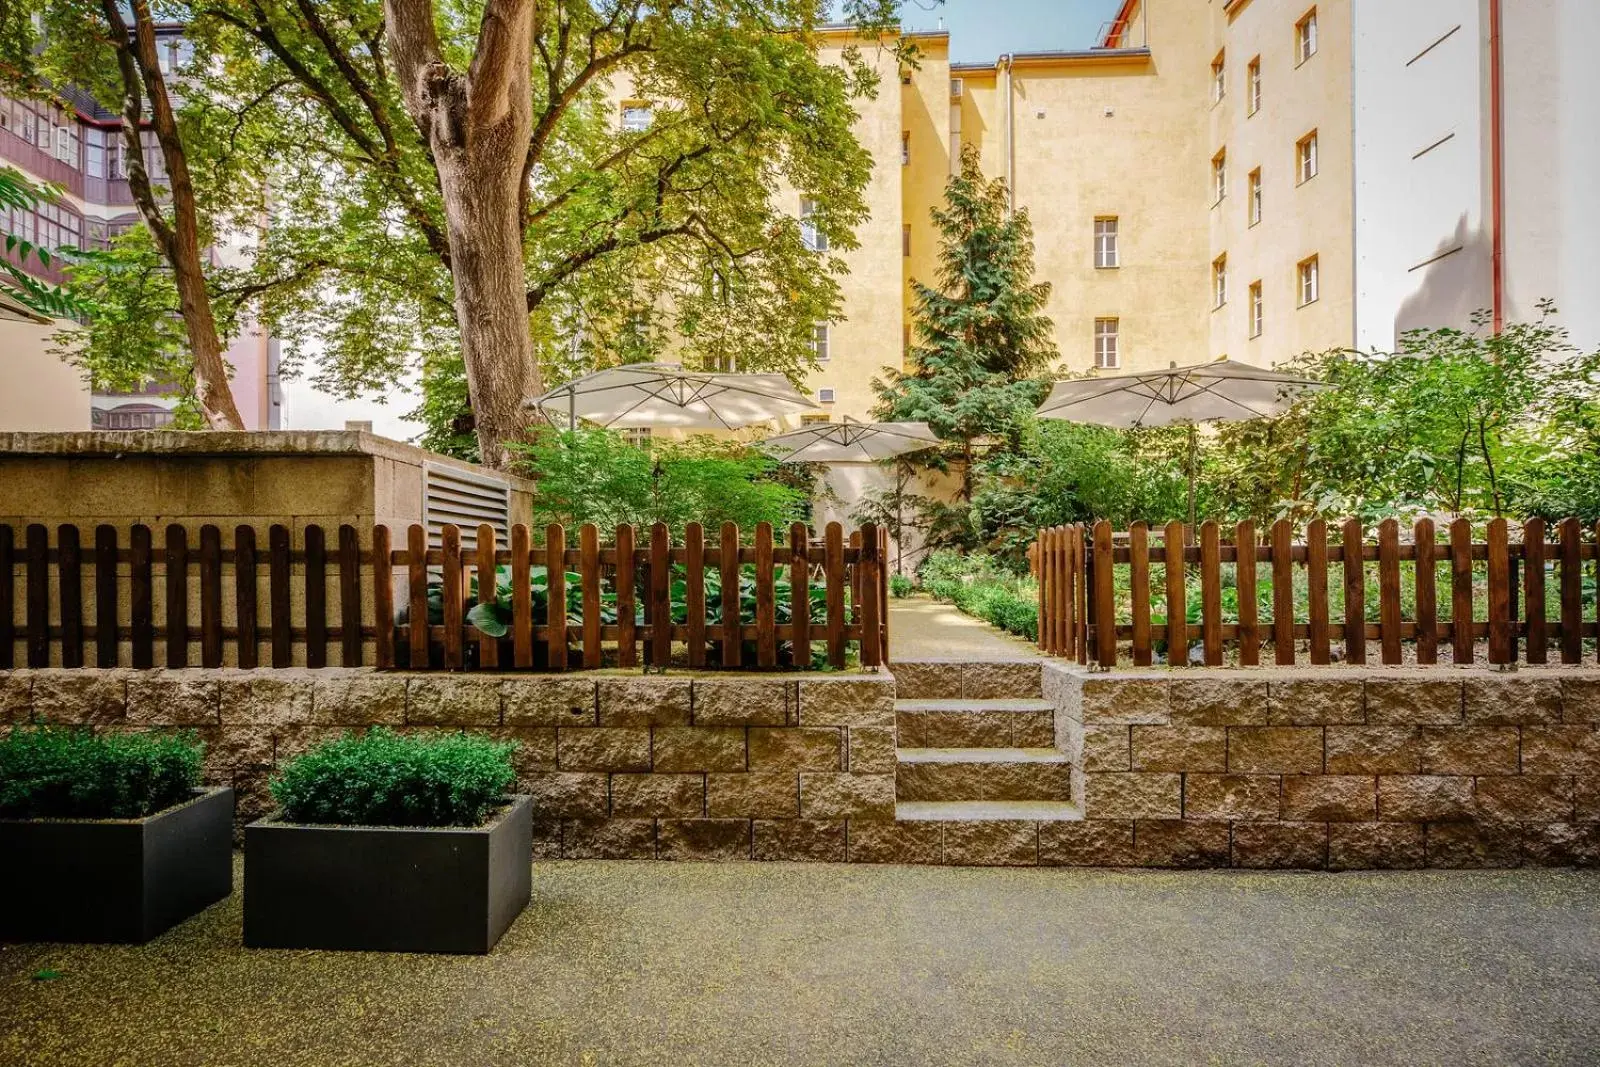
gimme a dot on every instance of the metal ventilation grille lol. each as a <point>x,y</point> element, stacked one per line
<point>467,499</point>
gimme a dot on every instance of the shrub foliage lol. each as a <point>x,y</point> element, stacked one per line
<point>978,587</point>
<point>387,779</point>
<point>55,773</point>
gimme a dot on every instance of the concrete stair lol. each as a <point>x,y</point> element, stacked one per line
<point>944,774</point>
<point>975,723</point>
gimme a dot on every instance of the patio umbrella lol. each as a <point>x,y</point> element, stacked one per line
<point>666,395</point>
<point>1208,392</point>
<point>852,442</point>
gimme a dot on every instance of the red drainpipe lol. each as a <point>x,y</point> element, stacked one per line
<point>1497,179</point>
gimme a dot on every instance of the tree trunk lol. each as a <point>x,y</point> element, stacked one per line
<point>478,125</point>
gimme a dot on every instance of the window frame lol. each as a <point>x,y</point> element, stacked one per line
<point>827,394</point>
<point>1219,177</point>
<point>822,341</point>
<point>1219,78</point>
<point>810,235</point>
<point>1305,38</point>
<point>1308,271</point>
<point>1252,90</point>
<point>1219,282</point>
<point>1108,342</point>
<point>1257,309</point>
<point>633,108</point>
<point>1307,153</point>
<point>1253,207</point>
<point>1107,254</point>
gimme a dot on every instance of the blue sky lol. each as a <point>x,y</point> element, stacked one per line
<point>981,30</point>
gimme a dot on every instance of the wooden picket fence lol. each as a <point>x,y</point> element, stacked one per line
<point>1498,589</point>
<point>96,604</point>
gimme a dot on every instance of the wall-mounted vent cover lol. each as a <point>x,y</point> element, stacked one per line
<point>468,499</point>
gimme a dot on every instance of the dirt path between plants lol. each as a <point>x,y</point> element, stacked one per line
<point>920,629</point>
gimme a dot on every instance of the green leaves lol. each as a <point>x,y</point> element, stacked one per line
<point>19,194</point>
<point>58,773</point>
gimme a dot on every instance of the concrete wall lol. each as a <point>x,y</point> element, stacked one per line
<point>38,391</point>
<point>620,767</point>
<point>1330,768</point>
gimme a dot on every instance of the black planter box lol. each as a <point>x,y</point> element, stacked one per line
<point>115,879</point>
<point>387,888</point>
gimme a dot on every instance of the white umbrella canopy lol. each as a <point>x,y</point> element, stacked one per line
<point>665,395</point>
<point>1209,392</point>
<point>852,442</point>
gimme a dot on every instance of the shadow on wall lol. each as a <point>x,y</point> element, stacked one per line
<point>1452,283</point>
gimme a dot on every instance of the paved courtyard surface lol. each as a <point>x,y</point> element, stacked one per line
<point>746,964</point>
<point>920,628</point>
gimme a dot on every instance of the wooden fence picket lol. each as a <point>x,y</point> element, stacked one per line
<point>105,596</point>
<point>1355,593</point>
<point>316,596</point>
<point>1461,630</point>
<point>350,607</point>
<point>247,649</point>
<point>766,604</point>
<point>485,545</point>
<point>728,562</point>
<point>176,558</point>
<point>555,563</point>
<point>1244,580</point>
<point>1283,640</point>
<point>210,596</point>
<point>69,595</point>
<point>694,593</point>
<point>451,592</point>
<point>1211,593</point>
<point>1533,559</point>
<point>1427,593</point>
<point>1389,591</point>
<point>589,572</point>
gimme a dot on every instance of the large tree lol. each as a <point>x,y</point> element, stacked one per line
<point>982,338</point>
<point>109,49</point>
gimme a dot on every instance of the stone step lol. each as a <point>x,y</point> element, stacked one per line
<point>969,679</point>
<point>944,774</point>
<point>975,723</point>
<point>986,810</point>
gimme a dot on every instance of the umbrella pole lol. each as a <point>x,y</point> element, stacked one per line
<point>572,410</point>
<point>1194,456</point>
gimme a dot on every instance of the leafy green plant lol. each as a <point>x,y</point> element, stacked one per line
<point>980,587</point>
<point>900,586</point>
<point>389,779</point>
<point>57,773</point>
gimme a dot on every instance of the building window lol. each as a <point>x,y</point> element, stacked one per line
<point>1305,37</point>
<point>825,396</point>
<point>1106,356</point>
<point>1255,196</point>
<point>636,118</point>
<point>1219,77</point>
<point>1106,253</point>
<point>1305,151</point>
<point>815,420</point>
<point>813,237</point>
<point>1309,281</point>
<point>1219,176</point>
<point>821,341</point>
<point>905,240</point>
<point>905,149</point>
<point>957,86</point>
<point>1254,89</point>
<point>637,436</point>
<point>1255,309</point>
<point>1219,281</point>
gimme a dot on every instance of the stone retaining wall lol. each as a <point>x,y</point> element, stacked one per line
<point>623,767</point>
<point>1331,768</point>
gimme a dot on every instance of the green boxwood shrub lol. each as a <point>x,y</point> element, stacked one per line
<point>389,779</point>
<point>57,773</point>
<point>980,588</point>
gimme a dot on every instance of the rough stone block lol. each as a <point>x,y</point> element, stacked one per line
<point>16,696</point>
<point>1469,749</point>
<point>1180,748</point>
<point>984,781</point>
<point>1430,701</point>
<point>1231,796</point>
<point>289,742</point>
<point>567,796</point>
<point>1374,750</point>
<point>703,839</point>
<point>992,843</point>
<point>1125,700</point>
<point>757,794</point>
<point>1424,798</point>
<point>1033,729</point>
<point>603,748</point>
<point>173,698</point>
<point>538,700</point>
<point>847,796</point>
<point>963,729</point>
<point>658,796</point>
<point>352,698</point>
<point>698,748</point>
<point>233,748</point>
<point>1133,796</point>
<point>872,841</point>
<point>80,697</point>
<point>1561,844</point>
<point>800,840</point>
<point>454,700</point>
<point>869,750</point>
<point>796,748</point>
<point>1096,843</point>
<point>908,729</point>
<point>1275,749</point>
<point>1512,700</point>
<point>1107,748</point>
<point>927,681</point>
<point>1022,680</point>
<point>1219,702</point>
<point>608,839</point>
<point>536,748</point>
<point>1063,688</point>
<point>1580,700</point>
<point>1317,701</point>
<point>1525,798</point>
<point>275,699</point>
<point>1586,797</point>
<point>1330,798</point>
<point>547,839</point>
<point>643,701</point>
<point>1178,843</point>
<point>1281,845</point>
<point>1545,749</point>
<point>743,702</point>
<point>847,701</point>
<point>1474,844</point>
<point>1358,846</point>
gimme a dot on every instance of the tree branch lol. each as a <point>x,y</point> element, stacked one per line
<point>500,61</point>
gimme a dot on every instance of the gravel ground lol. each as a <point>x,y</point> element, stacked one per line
<point>922,628</point>
<point>656,963</point>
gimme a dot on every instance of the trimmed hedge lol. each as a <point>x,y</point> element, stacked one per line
<point>389,779</point>
<point>977,587</point>
<point>59,773</point>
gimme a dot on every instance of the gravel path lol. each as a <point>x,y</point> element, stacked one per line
<point>920,629</point>
<point>745,964</point>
